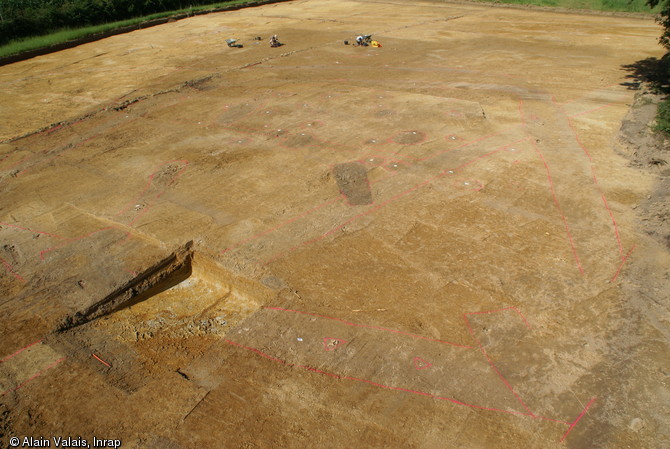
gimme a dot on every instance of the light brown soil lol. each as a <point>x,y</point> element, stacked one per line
<point>426,245</point>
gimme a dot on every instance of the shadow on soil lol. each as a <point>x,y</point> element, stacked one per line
<point>652,71</point>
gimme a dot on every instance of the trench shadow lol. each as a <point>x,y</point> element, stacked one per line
<point>654,72</point>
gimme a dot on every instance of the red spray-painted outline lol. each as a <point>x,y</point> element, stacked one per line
<point>377,206</point>
<point>421,364</point>
<point>10,270</point>
<point>386,387</point>
<point>22,384</point>
<point>560,210</point>
<point>528,412</point>
<point>483,351</point>
<point>341,197</point>
<point>622,263</point>
<point>328,340</point>
<point>574,423</point>
<point>20,351</point>
<point>367,326</point>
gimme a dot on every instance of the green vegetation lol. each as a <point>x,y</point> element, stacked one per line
<point>32,24</point>
<point>663,7</point>
<point>663,117</point>
<point>20,45</point>
<point>598,5</point>
<point>29,18</point>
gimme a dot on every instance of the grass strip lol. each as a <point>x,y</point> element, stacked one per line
<point>33,43</point>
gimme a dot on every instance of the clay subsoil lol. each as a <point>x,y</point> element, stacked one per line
<point>439,243</point>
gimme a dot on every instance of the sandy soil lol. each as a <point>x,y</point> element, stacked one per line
<point>436,243</point>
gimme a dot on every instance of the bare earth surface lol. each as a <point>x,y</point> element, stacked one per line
<point>432,244</point>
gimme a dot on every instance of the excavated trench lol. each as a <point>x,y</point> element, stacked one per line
<point>159,319</point>
<point>185,285</point>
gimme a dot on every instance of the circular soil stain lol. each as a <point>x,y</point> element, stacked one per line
<point>409,137</point>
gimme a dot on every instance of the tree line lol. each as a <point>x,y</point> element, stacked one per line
<point>23,18</point>
<point>664,19</point>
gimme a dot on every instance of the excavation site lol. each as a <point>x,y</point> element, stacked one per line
<point>453,235</point>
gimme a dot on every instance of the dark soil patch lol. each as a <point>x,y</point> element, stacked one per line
<point>409,137</point>
<point>352,179</point>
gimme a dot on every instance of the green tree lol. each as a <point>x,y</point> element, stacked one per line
<point>664,19</point>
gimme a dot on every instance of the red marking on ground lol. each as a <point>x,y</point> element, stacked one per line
<point>22,160</point>
<point>33,377</point>
<point>591,110</point>
<point>595,178</point>
<point>492,365</point>
<point>331,344</point>
<point>11,270</point>
<point>367,326</point>
<point>421,364</point>
<point>622,263</point>
<point>101,361</point>
<point>389,387</point>
<point>560,210</point>
<point>380,205</point>
<point>574,423</point>
<point>341,197</point>
<point>20,351</point>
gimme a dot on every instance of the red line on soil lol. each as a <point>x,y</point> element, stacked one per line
<point>622,264</point>
<point>380,205</point>
<point>367,326</point>
<point>481,347</point>
<point>340,198</point>
<point>11,270</point>
<point>33,377</point>
<point>30,230</point>
<point>101,361</point>
<point>20,351</point>
<point>22,160</point>
<point>591,110</point>
<point>595,178</point>
<point>388,387</point>
<point>574,423</point>
<point>560,210</point>
<point>616,228</point>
